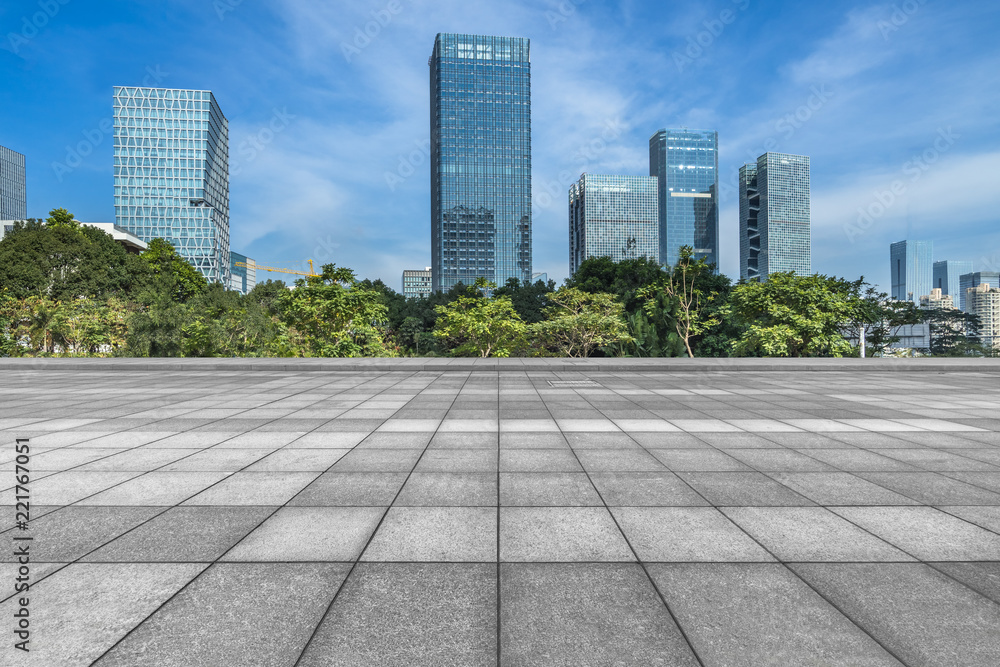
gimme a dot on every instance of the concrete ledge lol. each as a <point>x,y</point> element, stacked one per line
<point>604,365</point>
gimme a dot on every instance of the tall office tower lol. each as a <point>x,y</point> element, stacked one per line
<point>912,268</point>
<point>172,173</point>
<point>480,159</point>
<point>984,301</point>
<point>686,165</point>
<point>946,276</point>
<point>13,189</point>
<point>973,280</point>
<point>775,222</point>
<point>613,216</point>
<point>417,283</point>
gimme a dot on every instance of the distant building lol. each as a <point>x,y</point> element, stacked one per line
<point>686,166</point>
<point>417,283</point>
<point>480,155</point>
<point>13,188</point>
<point>172,173</point>
<point>911,266</point>
<point>775,216</point>
<point>535,277</point>
<point>984,301</point>
<point>946,274</point>
<point>936,300</point>
<point>972,280</point>
<point>131,242</point>
<point>243,278</point>
<point>613,216</point>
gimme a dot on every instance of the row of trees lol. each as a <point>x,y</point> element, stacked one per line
<point>67,289</point>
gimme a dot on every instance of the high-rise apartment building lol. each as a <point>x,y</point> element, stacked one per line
<point>984,301</point>
<point>480,159</point>
<point>937,300</point>
<point>973,280</point>
<point>613,216</point>
<point>775,216</point>
<point>686,166</point>
<point>911,265</point>
<point>417,283</point>
<point>172,173</point>
<point>946,275</point>
<point>13,188</point>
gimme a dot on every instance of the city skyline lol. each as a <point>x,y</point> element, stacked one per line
<point>329,131</point>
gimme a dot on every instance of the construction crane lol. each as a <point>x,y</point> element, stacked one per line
<point>250,264</point>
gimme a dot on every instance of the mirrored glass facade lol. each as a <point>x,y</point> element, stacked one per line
<point>946,277</point>
<point>973,280</point>
<point>13,189</point>
<point>613,216</point>
<point>775,216</point>
<point>480,159</point>
<point>912,267</point>
<point>686,164</point>
<point>172,173</point>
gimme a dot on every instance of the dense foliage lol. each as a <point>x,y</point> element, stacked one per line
<point>70,290</point>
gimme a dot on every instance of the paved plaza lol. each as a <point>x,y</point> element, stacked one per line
<point>468,515</point>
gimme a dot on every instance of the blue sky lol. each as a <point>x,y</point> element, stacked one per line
<point>896,103</point>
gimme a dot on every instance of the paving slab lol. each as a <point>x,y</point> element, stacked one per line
<point>540,489</point>
<point>297,534</point>
<point>686,534</point>
<point>446,534</point>
<point>442,489</point>
<point>743,488</point>
<point>925,532</point>
<point>69,533</point>
<point>561,534</point>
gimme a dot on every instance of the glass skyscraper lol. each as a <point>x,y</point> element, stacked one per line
<point>172,173</point>
<point>973,280</point>
<point>946,275</point>
<point>912,269</point>
<point>13,189</point>
<point>480,159</point>
<point>613,216</point>
<point>686,165</point>
<point>775,222</point>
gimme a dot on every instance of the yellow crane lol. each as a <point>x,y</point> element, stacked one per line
<point>250,264</point>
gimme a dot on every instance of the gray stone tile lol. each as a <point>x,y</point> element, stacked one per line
<point>941,461</point>
<point>560,534</point>
<point>686,534</point>
<point>925,532</point>
<point>378,460</point>
<point>539,460</point>
<point>93,606</point>
<point>645,489</point>
<point>428,534</point>
<point>217,619</point>
<point>456,460</point>
<point>932,488</point>
<point>298,460</point>
<point>859,460</point>
<point>811,534</point>
<point>761,614</point>
<point>669,441</point>
<point>839,488</point>
<point>66,488</point>
<point>743,488</point>
<point>986,517</point>
<point>157,489</point>
<point>255,488</point>
<point>536,489</point>
<point>922,616</point>
<point>586,615</point>
<point>137,460</point>
<point>779,460</point>
<point>618,460</point>
<point>216,460</point>
<point>701,460</point>
<point>382,440</point>
<point>449,489</point>
<point>335,489</point>
<point>984,578</point>
<point>296,534</point>
<point>67,534</point>
<point>464,441</point>
<point>984,480</point>
<point>411,614</point>
<point>183,535</point>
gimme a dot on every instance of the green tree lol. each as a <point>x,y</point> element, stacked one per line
<point>336,316</point>
<point>480,326</point>
<point>622,279</point>
<point>953,333</point>
<point>793,316</point>
<point>578,323</point>
<point>875,318</point>
<point>528,299</point>
<point>170,274</point>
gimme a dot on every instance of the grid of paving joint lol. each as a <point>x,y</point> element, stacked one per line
<point>514,517</point>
